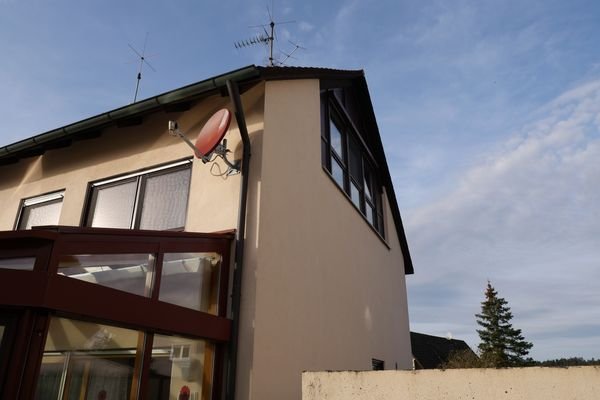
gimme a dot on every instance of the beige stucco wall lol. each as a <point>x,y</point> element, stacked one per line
<point>574,383</point>
<point>321,289</point>
<point>213,201</point>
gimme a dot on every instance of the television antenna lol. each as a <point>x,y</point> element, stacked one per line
<point>143,61</point>
<point>267,37</point>
<point>210,143</point>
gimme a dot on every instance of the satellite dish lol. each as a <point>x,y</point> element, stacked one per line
<point>210,140</point>
<point>213,132</point>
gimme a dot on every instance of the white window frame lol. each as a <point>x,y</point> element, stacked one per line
<point>138,197</point>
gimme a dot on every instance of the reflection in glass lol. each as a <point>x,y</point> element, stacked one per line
<point>336,139</point>
<point>355,194</point>
<point>84,360</point>
<point>131,273</point>
<point>337,172</point>
<point>177,363</point>
<point>20,263</point>
<point>191,280</point>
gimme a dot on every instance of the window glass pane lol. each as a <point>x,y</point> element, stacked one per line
<point>165,200</point>
<point>354,194</point>
<point>380,224</point>
<point>112,205</point>
<point>46,213</point>
<point>369,213</point>
<point>22,263</point>
<point>85,360</point>
<point>336,139</point>
<point>191,280</point>
<point>337,172</point>
<point>180,369</point>
<point>368,187</point>
<point>130,273</point>
<point>355,162</point>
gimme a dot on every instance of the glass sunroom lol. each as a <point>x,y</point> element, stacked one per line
<point>92,313</point>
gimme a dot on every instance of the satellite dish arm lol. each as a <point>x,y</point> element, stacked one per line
<point>174,131</point>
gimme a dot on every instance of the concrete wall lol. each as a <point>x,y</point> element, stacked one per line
<point>321,289</point>
<point>574,383</point>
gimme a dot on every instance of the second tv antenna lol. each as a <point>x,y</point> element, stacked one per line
<point>143,61</point>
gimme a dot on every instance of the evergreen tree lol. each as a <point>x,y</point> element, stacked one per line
<point>501,344</point>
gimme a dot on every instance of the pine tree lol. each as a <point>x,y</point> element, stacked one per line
<point>501,344</point>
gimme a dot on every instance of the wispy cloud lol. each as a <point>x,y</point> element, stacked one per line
<point>525,217</point>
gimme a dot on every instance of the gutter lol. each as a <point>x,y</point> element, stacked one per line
<point>185,93</point>
<point>234,94</point>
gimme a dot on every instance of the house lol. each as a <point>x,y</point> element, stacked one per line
<point>432,352</point>
<point>130,269</point>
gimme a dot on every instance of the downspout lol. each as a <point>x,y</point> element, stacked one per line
<point>238,110</point>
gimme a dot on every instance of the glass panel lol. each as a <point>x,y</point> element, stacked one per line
<point>368,187</point>
<point>130,273</point>
<point>191,280</point>
<point>89,361</point>
<point>380,224</point>
<point>337,172</point>
<point>21,263</point>
<point>112,205</point>
<point>355,162</point>
<point>46,213</point>
<point>369,213</point>
<point>165,200</point>
<point>180,369</point>
<point>354,194</point>
<point>336,139</point>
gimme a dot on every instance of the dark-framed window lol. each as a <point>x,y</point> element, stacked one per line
<point>346,158</point>
<point>153,199</point>
<point>377,365</point>
<point>40,210</point>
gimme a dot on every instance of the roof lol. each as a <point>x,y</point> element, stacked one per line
<point>432,352</point>
<point>181,100</point>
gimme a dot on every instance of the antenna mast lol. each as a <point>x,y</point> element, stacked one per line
<point>142,61</point>
<point>271,40</point>
<point>267,39</point>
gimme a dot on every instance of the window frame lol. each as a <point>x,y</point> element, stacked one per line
<point>140,177</point>
<point>353,145</point>
<point>47,198</point>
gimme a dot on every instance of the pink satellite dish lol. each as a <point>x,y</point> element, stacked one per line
<point>213,132</point>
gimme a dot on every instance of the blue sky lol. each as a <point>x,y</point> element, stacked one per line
<point>489,112</point>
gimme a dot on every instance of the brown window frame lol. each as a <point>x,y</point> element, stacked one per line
<point>41,294</point>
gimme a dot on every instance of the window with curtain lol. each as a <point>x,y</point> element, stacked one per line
<point>40,210</point>
<point>154,199</point>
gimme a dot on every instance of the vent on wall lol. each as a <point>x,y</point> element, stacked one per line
<point>377,365</point>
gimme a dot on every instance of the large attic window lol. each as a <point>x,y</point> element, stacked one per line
<point>346,159</point>
<point>154,199</point>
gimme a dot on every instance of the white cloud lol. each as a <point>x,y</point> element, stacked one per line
<point>528,218</point>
